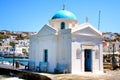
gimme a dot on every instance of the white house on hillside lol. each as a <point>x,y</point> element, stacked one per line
<point>64,41</point>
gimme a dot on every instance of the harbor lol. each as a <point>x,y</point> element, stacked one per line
<point>10,60</point>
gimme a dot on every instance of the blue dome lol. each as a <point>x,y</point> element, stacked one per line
<point>64,14</point>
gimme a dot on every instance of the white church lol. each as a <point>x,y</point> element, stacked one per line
<point>64,41</point>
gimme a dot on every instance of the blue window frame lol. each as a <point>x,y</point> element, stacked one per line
<point>45,55</point>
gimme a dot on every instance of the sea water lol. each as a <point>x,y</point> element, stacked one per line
<point>22,60</point>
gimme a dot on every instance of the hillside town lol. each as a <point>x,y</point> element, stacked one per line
<point>14,43</point>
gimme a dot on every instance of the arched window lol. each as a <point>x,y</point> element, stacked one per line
<point>62,25</point>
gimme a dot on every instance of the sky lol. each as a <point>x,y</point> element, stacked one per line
<point>32,15</point>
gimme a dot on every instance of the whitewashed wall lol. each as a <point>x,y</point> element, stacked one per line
<point>97,58</point>
<point>64,48</point>
<point>37,47</point>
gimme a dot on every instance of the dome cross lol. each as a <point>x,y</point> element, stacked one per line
<point>86,19</point>
<point>63,7</point>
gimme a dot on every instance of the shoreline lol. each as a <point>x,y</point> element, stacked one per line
<point>14,57</point>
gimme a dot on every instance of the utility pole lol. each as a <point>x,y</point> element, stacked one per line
<point>113,58</point>
<point>99,20</point>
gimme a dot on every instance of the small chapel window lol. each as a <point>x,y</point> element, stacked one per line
<point>62,25</point>
<point>45,55</point>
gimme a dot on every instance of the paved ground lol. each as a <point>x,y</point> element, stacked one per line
<point>4,77</point>
<point>109,75</point>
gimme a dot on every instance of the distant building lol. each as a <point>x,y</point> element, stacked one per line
<point>108,47</point>
<point>19,50</point>
<point>109,36</point>
<point>117,46</point>
<point>63,41</point>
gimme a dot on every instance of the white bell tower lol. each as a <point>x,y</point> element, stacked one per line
<point>63,19</point>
